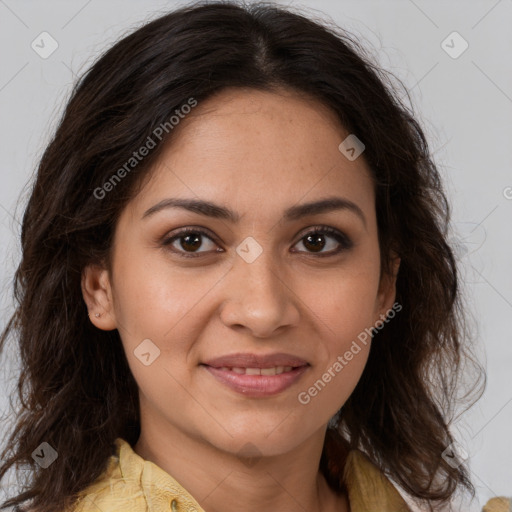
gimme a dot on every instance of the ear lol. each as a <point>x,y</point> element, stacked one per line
<point>97,293</point>
<point>387,288</point>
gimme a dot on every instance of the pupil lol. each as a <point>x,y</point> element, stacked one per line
<point>194,241</point>
<point>316,241</point>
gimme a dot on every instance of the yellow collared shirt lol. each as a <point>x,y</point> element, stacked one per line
<point>132,484</point>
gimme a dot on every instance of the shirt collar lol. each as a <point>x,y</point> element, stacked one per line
<point>368,488</point>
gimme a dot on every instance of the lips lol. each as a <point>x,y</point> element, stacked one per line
<point>257,375</point>
<point>246,360</point>
<point>274,370</point>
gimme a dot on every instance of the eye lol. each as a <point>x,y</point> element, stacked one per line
<point>315,241</point>
<point>188,240</point>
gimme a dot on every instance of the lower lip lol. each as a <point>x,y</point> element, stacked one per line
<point>257,385</point>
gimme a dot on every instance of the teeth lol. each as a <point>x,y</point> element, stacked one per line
<point>276,370</point>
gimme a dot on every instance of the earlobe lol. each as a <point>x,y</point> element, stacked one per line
<point>387,289</point>
<point>97,294</point>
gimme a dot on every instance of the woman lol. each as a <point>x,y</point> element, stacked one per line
<point>235,280</point>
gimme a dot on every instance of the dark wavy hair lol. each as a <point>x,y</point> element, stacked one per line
<point>76,390</point>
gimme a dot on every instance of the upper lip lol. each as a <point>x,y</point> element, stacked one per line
<point>246,360</point>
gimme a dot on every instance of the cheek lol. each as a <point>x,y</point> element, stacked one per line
<point>344,302</point>
<point>165,305</point>
<point>330,386</point>
<point>345,309</point>
<point>334,378</point>
<point>151,297</point>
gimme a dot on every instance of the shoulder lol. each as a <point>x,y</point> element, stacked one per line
<point>369,488</point>
<point>500,504</point>
<point>132,484</point>
<point>113,490</point>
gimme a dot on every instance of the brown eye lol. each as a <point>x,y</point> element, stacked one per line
<point>314,242</point>
<point>188,241</point>
<point>321,238</point>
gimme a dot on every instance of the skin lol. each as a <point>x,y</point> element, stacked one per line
<point>257,153</point>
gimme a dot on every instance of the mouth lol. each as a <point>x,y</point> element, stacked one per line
<point>274,370</point>
<point>261,380</point>
<point>246,360</point>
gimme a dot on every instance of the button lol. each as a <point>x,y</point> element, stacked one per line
<point>174,506</point>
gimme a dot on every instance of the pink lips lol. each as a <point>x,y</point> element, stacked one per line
<point>257,385</point>
<point>247,360</point>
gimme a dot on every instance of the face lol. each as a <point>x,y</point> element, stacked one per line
<point>272,277</point>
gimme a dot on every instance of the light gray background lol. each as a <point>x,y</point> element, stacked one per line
<point>464,104</point>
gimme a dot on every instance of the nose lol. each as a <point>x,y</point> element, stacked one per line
<point>259,297</point>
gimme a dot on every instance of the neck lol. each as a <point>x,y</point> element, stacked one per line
<point>225,482</point>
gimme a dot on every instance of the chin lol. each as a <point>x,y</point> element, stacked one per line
<point>254,443</point>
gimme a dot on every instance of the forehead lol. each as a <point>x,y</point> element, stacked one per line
<point>258,148</point>
<point>287,121</point>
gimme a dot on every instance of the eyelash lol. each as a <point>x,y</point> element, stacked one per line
<point>341,238</point>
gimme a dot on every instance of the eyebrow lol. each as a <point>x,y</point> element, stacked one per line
<point>296,212</point>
